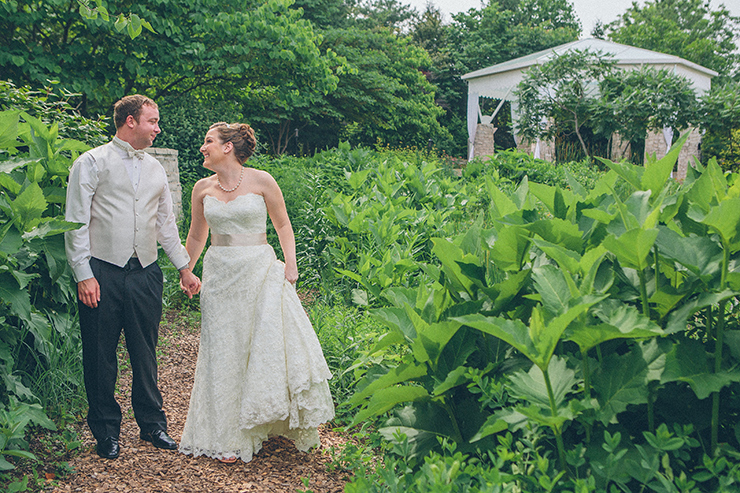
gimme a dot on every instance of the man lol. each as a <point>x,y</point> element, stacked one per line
<point>120,195</point>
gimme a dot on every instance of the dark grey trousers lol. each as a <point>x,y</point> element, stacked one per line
<point>130,299</point>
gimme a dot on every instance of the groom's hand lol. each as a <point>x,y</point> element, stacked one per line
<point>89,292</point>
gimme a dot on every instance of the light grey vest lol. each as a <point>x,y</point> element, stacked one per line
<point>123,221</point>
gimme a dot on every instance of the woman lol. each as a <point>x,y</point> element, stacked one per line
<point>260,371</point>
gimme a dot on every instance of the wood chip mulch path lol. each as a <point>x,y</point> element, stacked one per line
<point>278,467</point>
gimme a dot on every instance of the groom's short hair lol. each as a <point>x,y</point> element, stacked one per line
<point>130,105</point>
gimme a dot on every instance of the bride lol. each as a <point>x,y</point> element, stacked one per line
<point>260,370</point>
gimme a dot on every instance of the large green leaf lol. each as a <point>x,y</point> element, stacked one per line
<point>422,423</point>
<point>689,362</point>
<point>493,424</point>
<point>558,231</point>
<point>29,206</point>
<point>9,129</point>
<point>699,254</point>
<point>657,174</point>
<point>400,374</point>
<point>435,337</point>
<point>50,227</point>
<point>450,255</point>
<point>531,387</point>
<point>567,259</point>
<point>632,247</point>
<point>622,379</point>
<point>504,292</point>
<point>510,248</point>
<point>550,282</point>
<point>513,332</point>
<point>396,319</point>
<point>619,321</point>
<point>12,241</point>
<point>678,318</point>
<point>11,293</point>
<point>629,172</point>
<point>453,379</point>
<point>16,162</point>
<point>538,341</point>
<point>386,399</point>
<point>501,204</point>
<point>724,219</point>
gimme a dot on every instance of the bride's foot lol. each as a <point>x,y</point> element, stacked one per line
<point>227,460</point>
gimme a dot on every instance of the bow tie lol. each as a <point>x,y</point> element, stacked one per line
<point>135,153</point>
<point>138,153</point>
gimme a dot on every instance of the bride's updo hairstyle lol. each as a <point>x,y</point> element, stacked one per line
<point>240,135</point>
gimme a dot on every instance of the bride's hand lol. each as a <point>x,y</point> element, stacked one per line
<point>291,274</point>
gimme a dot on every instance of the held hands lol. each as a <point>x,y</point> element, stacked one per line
<point>189,283</point>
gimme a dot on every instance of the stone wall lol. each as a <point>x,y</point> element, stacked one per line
<point>168,159</point>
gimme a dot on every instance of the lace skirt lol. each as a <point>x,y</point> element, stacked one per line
<point>260,370</point>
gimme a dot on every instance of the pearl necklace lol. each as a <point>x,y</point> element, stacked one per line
<point>241,175</point>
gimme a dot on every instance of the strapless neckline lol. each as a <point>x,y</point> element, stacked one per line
<point>235,198</point>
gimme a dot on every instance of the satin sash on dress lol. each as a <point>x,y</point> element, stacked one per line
<point>244,239</point>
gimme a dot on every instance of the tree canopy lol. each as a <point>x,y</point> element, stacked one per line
<point>198,43</point>
<point>690,29</point>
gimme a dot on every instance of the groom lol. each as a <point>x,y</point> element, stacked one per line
<point>120,195</point>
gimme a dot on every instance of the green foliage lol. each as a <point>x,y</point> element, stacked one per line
<point>686,28</point>
<point>478,38</point>
<point>720,117</point>
<point>395,204</point>
<point>344,333</point>
<point>565,314</point>
<point>382,96</point>
<point>132,23</point>
<point>514,165</point>
<point>51,107</point>
<point>582,93</point>
<point>37,311</point>
<point>635,101</point>
<point>13,426</point>
<point>261,50</point>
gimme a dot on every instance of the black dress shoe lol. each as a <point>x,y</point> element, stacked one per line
<point>108,448</point>
<point>159,438</point>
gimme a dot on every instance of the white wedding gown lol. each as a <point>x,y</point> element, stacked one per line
<point>260,370</point>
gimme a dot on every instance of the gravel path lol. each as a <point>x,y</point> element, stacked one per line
<point>278,467</point>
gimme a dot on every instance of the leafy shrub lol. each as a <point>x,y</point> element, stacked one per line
<point>515,165</point>
<point>564,313</point>
<point>52,108</point>
<point>39,344</point>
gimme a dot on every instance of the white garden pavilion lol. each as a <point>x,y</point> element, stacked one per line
<point>499,82</point>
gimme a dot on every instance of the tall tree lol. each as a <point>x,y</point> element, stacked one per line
<point>720,118</point>
<point>686,28</point>
<point>561,94</point>
<point>382,95</point>
<point>198,44</point>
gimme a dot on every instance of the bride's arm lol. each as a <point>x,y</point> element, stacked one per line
<point>198,233</point>
<point>279,217</point>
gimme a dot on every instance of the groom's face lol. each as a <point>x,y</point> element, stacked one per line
<point>146,129</point>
